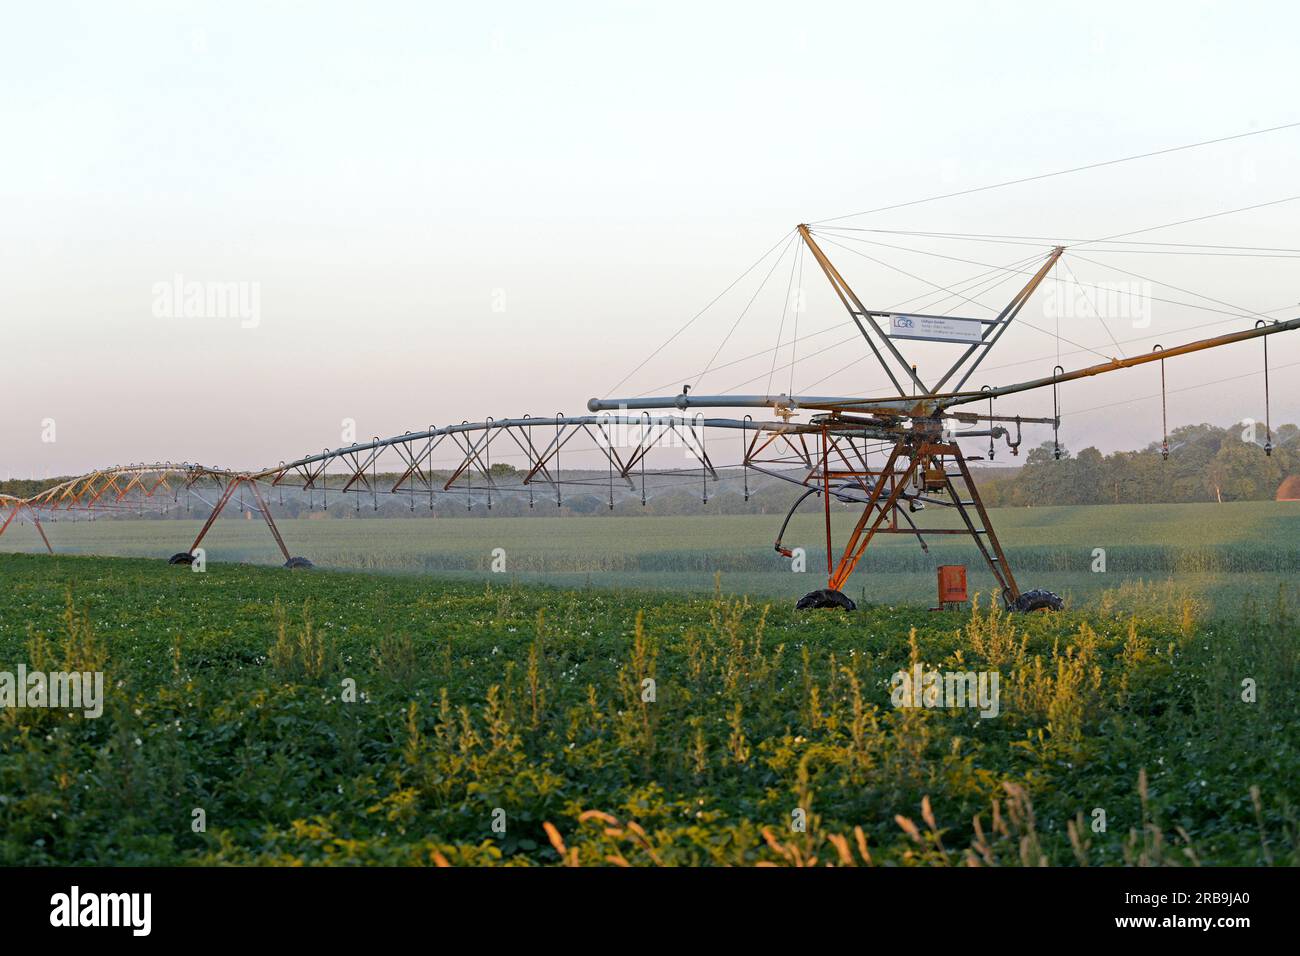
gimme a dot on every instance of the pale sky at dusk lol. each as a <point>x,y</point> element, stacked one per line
<point>458,211</point>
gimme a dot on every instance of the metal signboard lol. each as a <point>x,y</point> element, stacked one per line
<point>935,328</point>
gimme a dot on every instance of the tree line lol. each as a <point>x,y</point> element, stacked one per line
<point>1205,463</point>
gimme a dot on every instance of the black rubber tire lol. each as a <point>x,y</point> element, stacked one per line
<point>298,563</point>
<point>181,557</point>
<point>825,598</point>
<point>1039,599</point>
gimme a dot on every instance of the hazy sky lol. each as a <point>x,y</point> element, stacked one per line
<point>451,211</point>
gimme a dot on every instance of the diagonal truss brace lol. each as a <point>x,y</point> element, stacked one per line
<point>859,313</point>
<point>995,331</point>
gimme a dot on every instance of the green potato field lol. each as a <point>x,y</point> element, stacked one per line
<point>328,717</point>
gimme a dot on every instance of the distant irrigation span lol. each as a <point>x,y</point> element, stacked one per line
<point>546,458</point>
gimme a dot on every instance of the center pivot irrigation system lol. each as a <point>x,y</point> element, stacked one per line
<point>828,455</point>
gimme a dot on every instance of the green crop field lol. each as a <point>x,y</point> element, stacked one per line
<point>1220,553</point>
<point>348,718</point>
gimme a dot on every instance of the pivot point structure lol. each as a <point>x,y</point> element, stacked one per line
<point>918,424</point>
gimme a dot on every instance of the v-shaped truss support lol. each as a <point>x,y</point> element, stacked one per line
<point>858,312</point>
<point>36,522</point>
<point>226,494</point>
<point>867,324</point>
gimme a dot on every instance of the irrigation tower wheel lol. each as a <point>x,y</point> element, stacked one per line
<point>825,597</point>
<point>1039,599</point>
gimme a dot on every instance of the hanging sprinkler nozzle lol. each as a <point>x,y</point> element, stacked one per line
<point>1056,415</point>
<point>1164,409</point>
<point>992,447</point>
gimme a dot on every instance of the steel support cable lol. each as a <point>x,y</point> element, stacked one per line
<point>691,320</point>
<point>1175,391</point>
<point>842,368</point>
<point>794,342</point>
<point>1186,222</point>
<point>993,280</point>
<point>1142,338</point>
<point>1136,275</point>
<point>743,312</point>
<point>855,337</point>
<point>909,275</point>
<point>1172,248</point>
<point>1058,323</point>
<point>1022,322</point>
<point>1170,252</point>
<point>1064,172</point>
<point>785,306</point>
<point>939,255</point>
<point>975,279</point>
<point>1095,311</point>
<point>740,361</point>
<point>1119,236</point>
<point>851,234</point>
